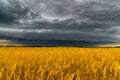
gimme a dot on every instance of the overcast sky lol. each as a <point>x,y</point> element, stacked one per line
<point>78,20</point>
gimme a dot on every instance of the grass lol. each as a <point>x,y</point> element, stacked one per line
<point>59,63</point>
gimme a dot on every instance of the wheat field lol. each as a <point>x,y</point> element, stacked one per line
<point>59,63</point>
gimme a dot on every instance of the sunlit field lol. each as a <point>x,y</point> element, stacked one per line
<point>59,63</point>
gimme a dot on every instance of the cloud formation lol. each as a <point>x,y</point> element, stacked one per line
<point>78,20</point>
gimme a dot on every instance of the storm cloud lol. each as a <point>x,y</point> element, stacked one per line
<point>95,21</point>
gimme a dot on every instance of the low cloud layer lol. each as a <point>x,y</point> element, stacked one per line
<point>78,20</point>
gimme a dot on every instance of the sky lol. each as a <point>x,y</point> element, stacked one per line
<point>90,22</point>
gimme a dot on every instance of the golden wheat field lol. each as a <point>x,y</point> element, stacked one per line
<point>59,63</point>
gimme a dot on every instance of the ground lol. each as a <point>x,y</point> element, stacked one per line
<point>59,63</point>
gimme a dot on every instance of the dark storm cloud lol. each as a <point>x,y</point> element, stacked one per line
<point>81,20</point>
<point>11,10</point>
